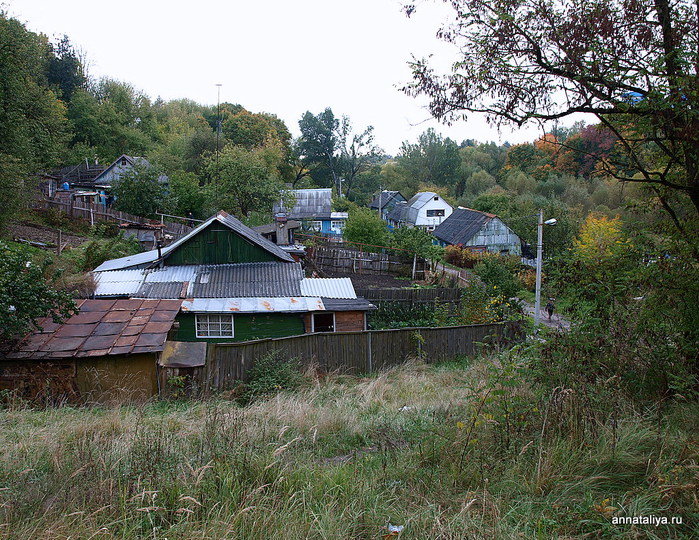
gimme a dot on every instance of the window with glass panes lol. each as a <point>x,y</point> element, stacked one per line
<point>210,326</point>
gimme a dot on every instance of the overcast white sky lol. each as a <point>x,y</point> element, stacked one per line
<point>278,56</point>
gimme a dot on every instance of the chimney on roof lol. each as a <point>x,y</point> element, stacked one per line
<point>282,222</point>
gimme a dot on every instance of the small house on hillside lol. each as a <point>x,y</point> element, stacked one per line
<point>119,167</point>
<point>426,210</point>
<point>313,207</point>
<point>222,282</point>
<point>106,352</point>
<point>235,285</point>
<point>479,231</point>
<point>386,201</point>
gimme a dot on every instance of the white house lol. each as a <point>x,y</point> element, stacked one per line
<point>426,210</point>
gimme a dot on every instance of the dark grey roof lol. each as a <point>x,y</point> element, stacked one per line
<point>249,279</point>
<point>461,226</point>
<point>310,203</point>
<point>172,289</point>
<point>399,213</point>
<point>267,279</point>
<point>386,197</point>
<point>347,304</point>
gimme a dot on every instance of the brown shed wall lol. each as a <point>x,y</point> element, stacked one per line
<point>117,379</point>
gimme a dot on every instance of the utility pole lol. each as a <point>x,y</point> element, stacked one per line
<point>539,256</point>
<point>218,128</point>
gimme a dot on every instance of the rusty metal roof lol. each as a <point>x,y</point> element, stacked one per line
<point>253,305</point>
<point>103,327</point>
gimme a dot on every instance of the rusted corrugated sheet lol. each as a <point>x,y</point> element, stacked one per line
<point>253,305</point>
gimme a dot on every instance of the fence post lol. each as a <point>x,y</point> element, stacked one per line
<point>368,354</point>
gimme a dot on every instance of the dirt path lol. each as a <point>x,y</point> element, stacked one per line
<point>46,235</point>
<point>557,322</point>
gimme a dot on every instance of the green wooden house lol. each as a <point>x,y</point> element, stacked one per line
<point>235,285</point>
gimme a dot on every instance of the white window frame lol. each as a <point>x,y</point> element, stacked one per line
<point>315,226</point>
<point>442,210</point>
<point>338,224</point>
<point>313,321</point>
<point>199,318</point>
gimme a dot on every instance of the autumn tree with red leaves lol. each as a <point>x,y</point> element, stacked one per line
<point>631,63</point>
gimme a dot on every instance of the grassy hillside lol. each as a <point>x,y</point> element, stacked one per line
<point>449,451</point>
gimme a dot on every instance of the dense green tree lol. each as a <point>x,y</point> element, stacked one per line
<point>26,294</point>
<point>140,191</point>
<point>65,71</point>
<point>432,160</point>
<point>366,227</point>
<point>319,147</point>
<point>243,181</point>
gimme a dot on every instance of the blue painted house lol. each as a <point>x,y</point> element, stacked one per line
<point>313,208</point>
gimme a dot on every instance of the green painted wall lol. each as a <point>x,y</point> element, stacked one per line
<point>217,244</point>
<point>246,327</point>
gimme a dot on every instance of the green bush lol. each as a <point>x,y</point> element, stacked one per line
<point>271,374</point>
<point>497,272</point>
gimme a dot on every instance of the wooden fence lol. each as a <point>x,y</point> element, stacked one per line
<point>93,212</point>
<point>364,262</point>
<point>348,352</point>
<point>412,296</point>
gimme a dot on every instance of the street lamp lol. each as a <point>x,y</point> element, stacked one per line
<point>539,256</point>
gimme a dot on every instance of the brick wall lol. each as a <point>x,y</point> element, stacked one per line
<point>345,321</point>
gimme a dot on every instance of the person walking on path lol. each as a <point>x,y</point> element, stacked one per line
<point>550,308</point>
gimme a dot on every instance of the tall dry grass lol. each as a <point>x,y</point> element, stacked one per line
<point>448,451</point>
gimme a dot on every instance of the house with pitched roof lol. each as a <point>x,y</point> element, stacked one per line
<point>425,209</point>
<point>313,208</point>
<point>222,282</point>
<point>234,285</point>
<point>478,231</point>
<point>386,201</point>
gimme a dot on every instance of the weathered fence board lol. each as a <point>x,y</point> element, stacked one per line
<point>92,212</point>
<point>365,262</point>
<point>412,296</point>
<point>351,352</point>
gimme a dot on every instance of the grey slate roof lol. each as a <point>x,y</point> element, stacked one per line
<point>268,279</point>
<point>347,304</point>
<point>408,212</point>
<point>386,197</point>
<point>143,260</point>
<point>461,225</point>
<point>310,204</point>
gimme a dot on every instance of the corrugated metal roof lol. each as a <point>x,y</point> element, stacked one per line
<point>142,260</point>
<point>117,282</point>
<point>249,279</point>
<point>205,281</point>
<point>172,273</point>
<point>347,304</point>
<point>173,289</point>
<point>310,203</point>
<point>253,305</point>
<point>328,287</point>
<point>462,225</point>
<point>386,197</point>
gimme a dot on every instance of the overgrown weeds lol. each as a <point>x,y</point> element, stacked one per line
<point>476,449</point>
